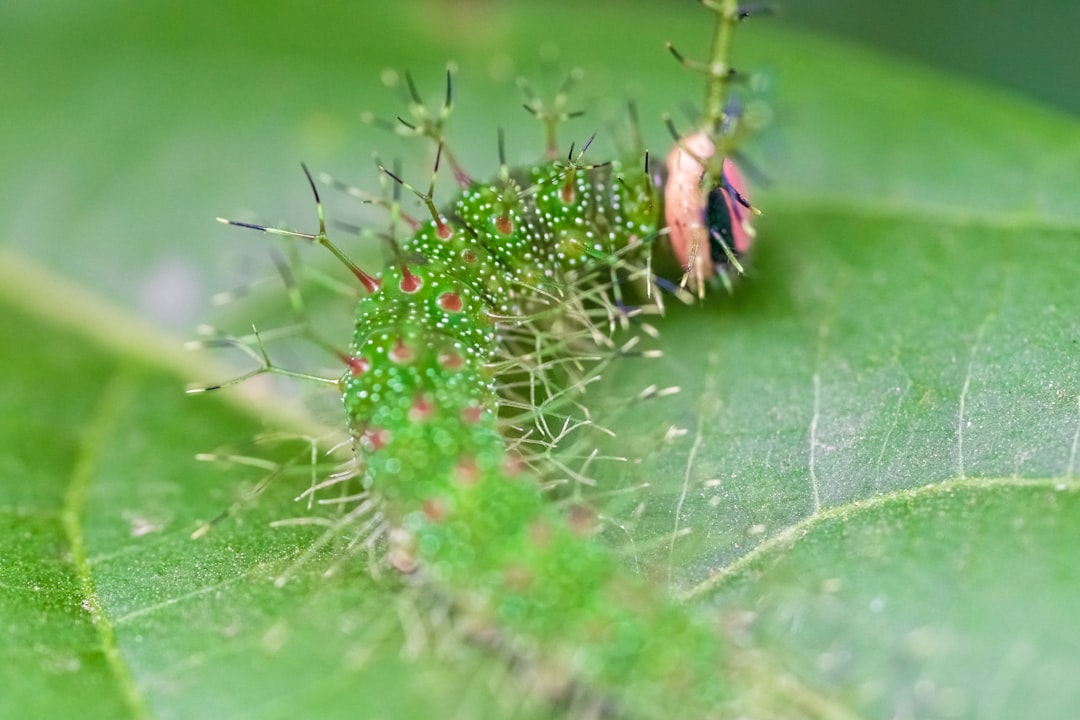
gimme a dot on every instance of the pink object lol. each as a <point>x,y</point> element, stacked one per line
<point>686,206</point>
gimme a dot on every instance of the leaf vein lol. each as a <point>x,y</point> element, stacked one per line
<point>114,400</point>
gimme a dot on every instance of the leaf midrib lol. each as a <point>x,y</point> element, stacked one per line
<point>110,408</point>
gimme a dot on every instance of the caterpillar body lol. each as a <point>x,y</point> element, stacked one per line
<point>461,509</point>
<point>461,512</point>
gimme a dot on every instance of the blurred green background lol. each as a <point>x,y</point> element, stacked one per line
<point>1026,46</point>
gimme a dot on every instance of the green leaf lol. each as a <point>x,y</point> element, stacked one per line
<point>873,474</point>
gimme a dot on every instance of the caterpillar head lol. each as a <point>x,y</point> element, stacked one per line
<point>709,227</point>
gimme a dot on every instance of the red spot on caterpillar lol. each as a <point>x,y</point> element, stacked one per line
<point>410,283</point>
<point>468,256</point>
<point>450,302</point>
<point>541,533</point>
<point>567,194</point>
<point>582,520</point>
<point>504,224</point>
<point>518,578</point>
<point>443,230</point>
<point>685,207</point>
<point>451,361</point>
<point>375,439</point>
<point>371,284</point>
<point>401,353</point>
<point>422,409</point>
<point>467,472</point>
<point>513,465</point>
<point>472,414</point>
<point>435,509</point>
<point>357,364</point>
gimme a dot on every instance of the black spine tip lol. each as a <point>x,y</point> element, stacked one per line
<point>311,182</point>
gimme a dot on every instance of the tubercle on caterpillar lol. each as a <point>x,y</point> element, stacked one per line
<point>463,514</point>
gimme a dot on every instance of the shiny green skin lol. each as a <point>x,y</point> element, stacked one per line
<point>422,403</point>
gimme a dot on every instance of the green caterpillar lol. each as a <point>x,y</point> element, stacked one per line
<point>533,254</point>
